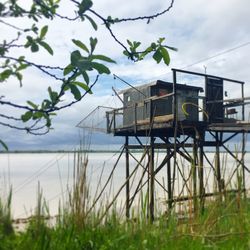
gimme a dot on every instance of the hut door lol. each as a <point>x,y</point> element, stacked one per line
<point>214,92</point>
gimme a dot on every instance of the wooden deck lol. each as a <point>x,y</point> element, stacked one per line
<point>238,126</point>
<point>164,125</point>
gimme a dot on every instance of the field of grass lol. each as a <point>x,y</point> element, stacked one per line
<point>224,228</point>
<point>223,225</point>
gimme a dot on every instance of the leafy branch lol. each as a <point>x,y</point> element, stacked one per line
<point>83,65</point>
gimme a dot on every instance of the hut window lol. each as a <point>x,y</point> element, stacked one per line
<point>128,98</point>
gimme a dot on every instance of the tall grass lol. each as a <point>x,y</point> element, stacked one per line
<point>224,224</point>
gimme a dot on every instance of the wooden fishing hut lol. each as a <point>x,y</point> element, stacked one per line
<point>176,118</point>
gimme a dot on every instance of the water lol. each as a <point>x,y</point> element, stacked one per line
<point>53,172</point>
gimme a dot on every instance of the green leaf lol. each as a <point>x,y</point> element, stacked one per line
<point>4,145</point>
<point>102,69</point>
<point>53,95</point>
<point>68,69</point>
<point>19,77</point>
<point>125,53</point>
<point>85,77</point>
<point>93,42</point>
<point>136,45</point>
<point>5,75</point>
<point>34,47</point>
<point>129,43</point>
<point>103,58</point>
<point>46,104</point>
<point>25,117</point>
<point>80,45</point>
<point>161,40</point>
<point>48,121</point>
<point>65,87</point>
<point>165,55</point>
<point>169,47</point>
<point>157,56</point>
<point>23,66</point>
<point>44,31</point>
<point>2,51</point>
<point>46,46</point>
<point>75,57</point>
<point>21,58</point>
<point>75,91</point>
<point>84,65</point>
<point>83,86</point>
<point>84,6</point>
<point>33,105</point>
<point>38,115</point>
<point>93,23</point>
<point>30,39</point>
<point>153,46</point>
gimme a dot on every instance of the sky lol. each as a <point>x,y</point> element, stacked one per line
<point>209,35</point>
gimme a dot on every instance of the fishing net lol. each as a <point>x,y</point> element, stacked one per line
<point>96,120</point>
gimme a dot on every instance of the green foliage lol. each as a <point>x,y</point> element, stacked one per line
<point>84,64</point>
<point>34,43</point>
<point>6,228</point>
<point>84,6</point>
<point>224,224</point>
<point>13,69</point>
<point>158,49</point>
<point>221,227</point>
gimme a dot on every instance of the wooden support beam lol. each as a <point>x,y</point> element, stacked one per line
<point>151,179</point>
<point>194,175</point>
<point>217,163</point>
<point>187,198</point>
<point>206,75</point>
<point>139,186</point>
<point>240,163</point>
<point>202,191</point>
<point>127,175</point>
<point>146,169</point>
<point>169,179</point>
<point>243,152</point>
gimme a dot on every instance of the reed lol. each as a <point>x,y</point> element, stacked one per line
<point>224,223</point>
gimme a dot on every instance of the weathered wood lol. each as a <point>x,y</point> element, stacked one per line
<point>194,174</point>
<point>152,179</point>
<point>172,124</point>
<point>233,100</point>
<point>206,75</point>
<point>201,136</point>
<point>190,197</point>
<point>217,163</point>
<point>169,179</point>
<point>127,175</point>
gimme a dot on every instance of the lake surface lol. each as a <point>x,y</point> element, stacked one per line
<point>53,172</point>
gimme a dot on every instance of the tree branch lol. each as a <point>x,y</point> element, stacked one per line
<point>150,17</point>
<point>39,66</point>
<point>10,117</point>
<point>11,25</point>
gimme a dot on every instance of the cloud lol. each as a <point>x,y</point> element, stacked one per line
<point>198,28</point>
